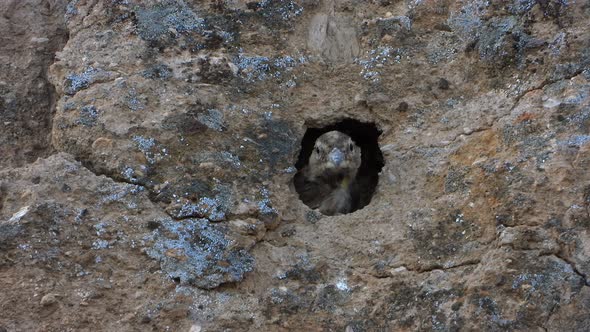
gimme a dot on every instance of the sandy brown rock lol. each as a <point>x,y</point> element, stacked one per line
<point>32,31</point>
<point>178,125</point>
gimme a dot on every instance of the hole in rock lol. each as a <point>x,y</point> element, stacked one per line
<point>338,166</point>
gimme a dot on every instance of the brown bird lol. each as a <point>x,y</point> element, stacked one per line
<point>325,183</point>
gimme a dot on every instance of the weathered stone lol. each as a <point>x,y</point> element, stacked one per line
<point>49,299</point>
<point>168,199</point>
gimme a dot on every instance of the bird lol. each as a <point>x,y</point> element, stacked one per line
<point>327,181</point>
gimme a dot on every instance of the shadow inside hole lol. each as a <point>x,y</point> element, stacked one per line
<point>366,136</point>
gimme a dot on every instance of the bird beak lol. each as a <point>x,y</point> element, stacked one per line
<point>336,157</point>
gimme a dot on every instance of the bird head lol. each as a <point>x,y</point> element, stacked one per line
<point>335,156</point>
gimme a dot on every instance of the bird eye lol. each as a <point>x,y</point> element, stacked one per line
<point>351,146</point>
<point>317,150</point>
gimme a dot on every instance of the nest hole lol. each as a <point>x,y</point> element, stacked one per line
<point>366,136</point>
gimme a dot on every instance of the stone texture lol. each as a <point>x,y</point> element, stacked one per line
<point>32,31</point>
<point>169,202</point>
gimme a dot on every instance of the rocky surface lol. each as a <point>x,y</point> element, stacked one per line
<point>164,198</point>
<point>32,31</point>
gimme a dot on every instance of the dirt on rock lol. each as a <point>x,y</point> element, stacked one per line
<point>149,149</point>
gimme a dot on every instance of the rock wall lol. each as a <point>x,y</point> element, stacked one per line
<point>168,203</point>
<point>32,31</point>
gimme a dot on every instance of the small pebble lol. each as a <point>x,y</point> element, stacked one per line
<point>195,328</point>
<point>387,38</point>
<point>49,299</point>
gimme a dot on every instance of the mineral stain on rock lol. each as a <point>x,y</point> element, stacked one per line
<point>212,118</point>
<point>277,13</point>
<point>88,116</point>
<point>166,18</point>
<point>214,209</point>
<point>175,22</point>
<point>196,252</point>
<point>75,82</point>
<point>161,71</point>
